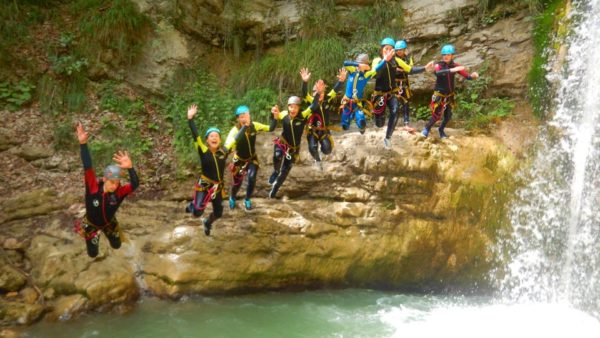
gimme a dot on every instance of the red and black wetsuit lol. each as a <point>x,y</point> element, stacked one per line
<point>101,206</point>
<point>442,100</point>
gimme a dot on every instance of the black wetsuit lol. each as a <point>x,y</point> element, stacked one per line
<point>287,147</point>
<point>385,95</point>
<point>101,206</point>
<point>318,122</point>
<point>403,70</point>
<point>245,161</point>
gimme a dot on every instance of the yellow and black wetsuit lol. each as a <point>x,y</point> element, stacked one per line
<point>385,94</point>
<point>245,161</point>
<point>318,122</point>
<point>405,67</point>
<point>210,185</point>
<point>287,146</point>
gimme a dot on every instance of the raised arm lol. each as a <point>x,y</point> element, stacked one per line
<point>124,161</point>
<point>91,183</point>
<point>305,75</point>
<point>192,110</point>
<point>83,136</point>
<point>274,117</point>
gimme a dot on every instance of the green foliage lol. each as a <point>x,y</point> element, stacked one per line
<point>382,19</point>
<point>423,112</point>
<point>318,18</point>
<point>542,37</point>
<point>113,101</point>
<point>58,95</point>
<point>15,95</point>
<point>15,19</point>
<point>115,25</point>
<point>260,102</point>
<point>215,108</point>
<point>279,71</point>
<point>477,111</point>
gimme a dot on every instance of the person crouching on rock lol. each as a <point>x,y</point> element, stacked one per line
<point>245,160</point>
<point>212,161</point>
<point>442,100</point>
<point>103,197</point>
<point>287,146</point>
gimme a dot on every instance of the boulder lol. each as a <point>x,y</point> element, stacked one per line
<point>32,152</point>
<point>12,313</point>
<point>33,203</point>
<point>10,278</point>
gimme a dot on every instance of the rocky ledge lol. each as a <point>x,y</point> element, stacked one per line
<point>420,217</point>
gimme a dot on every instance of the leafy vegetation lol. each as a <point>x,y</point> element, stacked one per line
<point>279,71</point>
<point>476,110</point>
<point>15,95</point>
<point>115,28</point>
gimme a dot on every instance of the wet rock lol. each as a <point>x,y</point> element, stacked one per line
<point>33,203</point>
<point>12,313</point>
<point>8,333</point>
<point>10,278</point>
<point>29,295</point>
<point>32,152</point>
<point>66,307</point>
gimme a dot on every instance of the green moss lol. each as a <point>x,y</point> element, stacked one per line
<point>544,29</point>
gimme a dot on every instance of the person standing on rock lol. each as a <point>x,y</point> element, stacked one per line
<point>442,100</point>
<point>321,106</point>
<point>287,146</point>
<point>212,161</point>
<point>103,197</point>
<point>359,73</point>
<point>385,90</point>
<point>404,68</point>
<point>245,161</point>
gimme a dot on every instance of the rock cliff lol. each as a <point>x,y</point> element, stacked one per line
<point>422,216</point>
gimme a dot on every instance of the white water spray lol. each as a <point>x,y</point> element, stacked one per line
<point>556,244</point>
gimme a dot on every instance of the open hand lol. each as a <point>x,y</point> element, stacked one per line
<point>123,160</point>
<point>320,86</point>
<point>389,54</point>
<point>275,111</point>
<point>342,74</point>
<point>192,110</point>
<point>82,135</point>
<point>430,67</point>
<point>304,74</point>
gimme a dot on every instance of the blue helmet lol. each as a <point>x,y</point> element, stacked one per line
<point>387,41</point>
<point>211,130</point>
<point>448,49</point>
<point>241,110</point>
<point>400,45</point>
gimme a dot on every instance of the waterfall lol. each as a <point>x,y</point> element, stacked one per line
<point>555,245</point>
